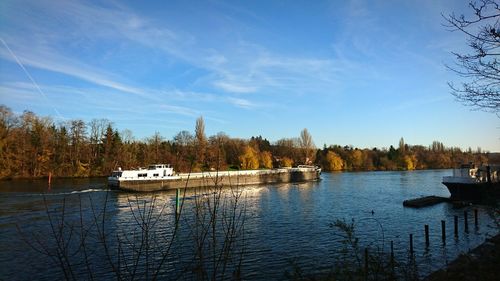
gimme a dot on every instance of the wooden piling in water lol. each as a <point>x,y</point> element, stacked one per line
<point>476,220</point>
<point>443,231</point>
<point>456,226</point>
<point>392,254</point>
<point>366,262</point>
<point>466,223</point>
<point>411,244</point>
<point>427,242</point>
<point>177,203</point>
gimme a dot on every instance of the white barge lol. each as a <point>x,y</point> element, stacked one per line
<point>474,183</point>
<point>163,177</point>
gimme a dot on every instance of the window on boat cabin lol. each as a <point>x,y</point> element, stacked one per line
<point>142,175</point>
<point>155,175</point>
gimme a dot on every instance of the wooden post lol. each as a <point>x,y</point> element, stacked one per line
<point>392,255</point>
<point>366,263</point>
<point>177,203</point>
<point>426,235</point>
<point>476,220</point>
<point>443,231</point>
<point>456,226</point>
<point>466,223</point>
<point>50,177</point>
<point>411,244</point>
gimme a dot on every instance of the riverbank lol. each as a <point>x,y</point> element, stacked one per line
<point>481,263</point>
<point>105,175</point>
<point>46,178</point>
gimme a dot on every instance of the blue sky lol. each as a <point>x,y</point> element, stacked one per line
<point>364,73</point>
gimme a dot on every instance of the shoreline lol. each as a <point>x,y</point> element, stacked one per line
<point>480,263</point>
<point>46,177</point>
<point>10,178</point>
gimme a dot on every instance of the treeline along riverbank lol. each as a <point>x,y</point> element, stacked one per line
<point>36,146</point>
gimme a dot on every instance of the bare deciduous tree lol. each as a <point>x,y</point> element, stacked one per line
<point>480,67</point>
<point>307,145</point>
<point>201,140</point>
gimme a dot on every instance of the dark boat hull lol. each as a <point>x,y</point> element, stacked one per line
<point>473,191</point>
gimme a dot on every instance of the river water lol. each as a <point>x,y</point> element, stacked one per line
<point>284,225</point>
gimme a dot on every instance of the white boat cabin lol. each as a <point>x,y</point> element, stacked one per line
<point>469,173</point>
<point>152,172</point>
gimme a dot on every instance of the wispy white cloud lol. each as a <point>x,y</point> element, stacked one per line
<point>216,59</point>
<point>258,70</point>
<point>243,103</point>
<point>240,68</point>
<point>12,92</point>
<point>179,110</point>
<point>85,99</point>
<point>177,94</point>
<point>232,87</point>
<point>99,23</point>
<point>246,67</point>
<point>420,102</point>
<point>49,60</point>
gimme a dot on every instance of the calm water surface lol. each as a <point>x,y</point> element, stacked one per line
<point>283,223</point>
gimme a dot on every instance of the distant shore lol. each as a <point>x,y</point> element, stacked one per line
<point>53,177</point>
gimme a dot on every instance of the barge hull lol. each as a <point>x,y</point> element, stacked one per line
<point>474,192</point>
<point>219,179</point>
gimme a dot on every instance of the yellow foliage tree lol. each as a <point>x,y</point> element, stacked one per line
<point>82,169</point>
<point>266,160</point>
<point>410,162</point>
<point>249,159</point>
<point>286,162</point>
<point>334,162</point>
<point>357,159</point>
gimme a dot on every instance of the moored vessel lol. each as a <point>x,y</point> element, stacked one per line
<point>163,177</point>
<point>474,183</point>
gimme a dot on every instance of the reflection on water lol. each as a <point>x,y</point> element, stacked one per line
<point>283,222</point>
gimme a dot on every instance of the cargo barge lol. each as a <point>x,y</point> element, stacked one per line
<point>160,177</point>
